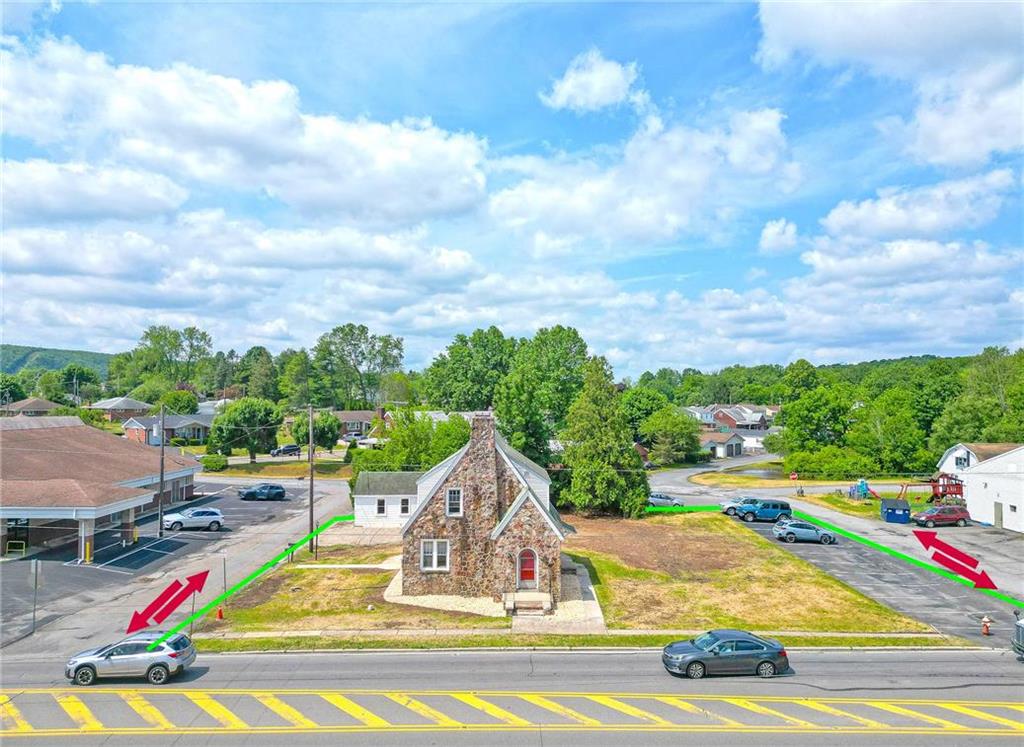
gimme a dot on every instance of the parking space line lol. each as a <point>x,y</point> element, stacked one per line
<point>423,710</point>
<point>824,708</point>
<point>355,710</point>
<point>627,709</point>
<point>490,709</point>
<point>10,713</point>
<point>79,713</point>
<point>1016,725</point>
<point>916,715</point>
<point>549,705</point>
<point>217,711</point>
<point>765,711</point>
<point>149,712</point>
<point>691,708</point>
<point>286,712</point>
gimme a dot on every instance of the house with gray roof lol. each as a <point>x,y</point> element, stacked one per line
<point>119,409</point>
<point>146,429</point>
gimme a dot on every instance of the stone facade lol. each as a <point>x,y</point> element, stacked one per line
<point>478,565</point>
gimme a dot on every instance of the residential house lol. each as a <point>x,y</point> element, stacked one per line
<point>994,489</point>
<point>753,440</point>
<point>119,409</point>
<point>703,414</point>
<point>721,444</point>
<point>31,407</point>
<point>359,421</point>
<point>146,429</point>
<point>385,499</point>
<point>741,416</point>
<point>60,478</point>
<point>961,457</point>
<point>213,406</point>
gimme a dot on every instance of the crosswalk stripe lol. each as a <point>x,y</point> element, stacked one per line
<point>355,710</point>
<point>10,713</point>
<point>149,712</point>
<point>217,711</point>
<point>629,710</point>
<point>691,708</point>
<point>491,710</point>
<point>825,708</point>
<point>1016,725</point>
<point>765,711</point>
<point>915,714</point>
<point>549,705</point>
<point>286,712</point>
<point>423,710</point>
<point>79,712</point>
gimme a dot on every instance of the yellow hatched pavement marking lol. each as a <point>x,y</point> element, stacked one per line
<point>691,708</point>
<point>218,711</point>
<point>491,710</point>
<point>149,712</point>
<point>424,710</point>
<point>825,708</point>
<point>915,714</point>
<point>765,711</point>
<point>79,712</point>
<point>629,710</point>
<point>355,710</point>
<point>1015,725</point>
<point>10,713</point>
<point>549,705</point>
<point>285,711</point>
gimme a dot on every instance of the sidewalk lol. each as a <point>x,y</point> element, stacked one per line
<point>463,632</point>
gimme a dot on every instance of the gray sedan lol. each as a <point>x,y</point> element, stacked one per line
<point>661,499</point>
<point>132,658</point>
<point>725,652</point>
<point>791,531</point>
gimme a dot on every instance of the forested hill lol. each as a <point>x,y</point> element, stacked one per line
<point>13,358</point>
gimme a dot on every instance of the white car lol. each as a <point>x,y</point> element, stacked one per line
<point>195,518</point>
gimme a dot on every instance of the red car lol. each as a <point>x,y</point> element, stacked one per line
<point>938,516</point>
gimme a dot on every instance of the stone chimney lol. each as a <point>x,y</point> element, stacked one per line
<point>482,426</point>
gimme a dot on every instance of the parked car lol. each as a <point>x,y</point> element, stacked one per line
<point>725,652</point>
<point>650,465</point>
<point>1018,635</point>
<point>287,450</point>
<point>791,531</point>
<point>263,492</point>
<point>131,657</point>
<point>733,505</point>
<point>195,518</point>
<point>660,499</point>
<point>352,436</point>
<point>937,516</point>
<point>765,510</point>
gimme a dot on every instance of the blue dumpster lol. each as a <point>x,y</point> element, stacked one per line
<point>895,510</point>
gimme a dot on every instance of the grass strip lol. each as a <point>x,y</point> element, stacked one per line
<point>679,509</point>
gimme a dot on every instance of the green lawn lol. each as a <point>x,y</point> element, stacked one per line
<point>325,468</point>
<point>868,508</point>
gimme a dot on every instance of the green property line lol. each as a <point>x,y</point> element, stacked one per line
<point>679,509</point>
<point>906,558</point>
<point>248,580</point>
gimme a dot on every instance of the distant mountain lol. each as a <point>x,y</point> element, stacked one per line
<point>13,358</point>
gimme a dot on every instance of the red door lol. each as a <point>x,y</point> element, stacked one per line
<point>527,569</point>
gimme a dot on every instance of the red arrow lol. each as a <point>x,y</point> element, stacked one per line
<point>980,579</point>
<point>930,540</point>
<point>140,620</point>
<point>169,599</point>
<point>193,585</point>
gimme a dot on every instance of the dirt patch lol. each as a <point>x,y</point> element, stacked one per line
<point>261,592</point>
<point>357,554</point>
<point>674,546</point>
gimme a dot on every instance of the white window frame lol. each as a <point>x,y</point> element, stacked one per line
<point>382,503</point>
<point>433,544</point>
<point>448,502</point>
<point>404,506</point>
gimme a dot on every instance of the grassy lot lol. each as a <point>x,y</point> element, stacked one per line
<point>325,468</point>
<point>730,478</point>
<point>867,509</point>
<point>691,571</point>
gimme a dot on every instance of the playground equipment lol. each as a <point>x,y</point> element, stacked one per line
<point>862,490</point>
<point>946,486</point>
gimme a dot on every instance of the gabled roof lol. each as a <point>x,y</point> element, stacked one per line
<point>120,403</point>
<point>718,437</point>
<point>386,483</point>
<point>172,422</point>
<point>444,468</point>
<point>31,404</point>
<point>521,460</point>
<point>987,451</point>
<point>550,515</point>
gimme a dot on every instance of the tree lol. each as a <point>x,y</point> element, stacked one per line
<point>248,423</point>
<point>519,416</point>
<point>673,433</point>
<point>885,430</point>
<point>295,368</point>
<point>409,439</point>
<point>75,378</point>
<point>28,379</point>
<point>263,378</point>
<point>665,380</point>
<point>607,474</point>
<point>466,375</point>
<point>158,352</point>
<point>401,388</point>
<point>819,417</point>
<point>558,354</point>
<point>352,362</point>
<point>196,347</point>
<point>449,436</point>
<point>799,378</point>
<point>326,429</point>
<point>11,389</point>
<point>178,402</point>
<point>50,386</point>
<point>639,403</point>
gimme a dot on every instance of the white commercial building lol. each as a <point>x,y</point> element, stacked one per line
<point>994,490</point>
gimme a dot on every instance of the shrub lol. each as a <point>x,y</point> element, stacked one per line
<point>179,441</point>
<point>214,462</point>
<point>830,463</point>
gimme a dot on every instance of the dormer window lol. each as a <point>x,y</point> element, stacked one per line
<point>453,502</point>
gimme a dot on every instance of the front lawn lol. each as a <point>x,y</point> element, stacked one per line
<point>325,468</point>
<point>868,508</point>
<point>700,570</point>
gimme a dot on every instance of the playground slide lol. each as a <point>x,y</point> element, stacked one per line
<point>874,494</point>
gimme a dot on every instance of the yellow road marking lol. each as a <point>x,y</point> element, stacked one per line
<point>492,710</point>
<point>549,705</point>
<point>286,712</point>
<point>914,714</point>
<point>691,708</point>
<point>149,712</point>
<point>1016,725</point>
<point>423,710</point>
<point>79,712</point>
<point>217,711</point>
<point>765,711</point>
<point>824,708</point>
<point>355,710</point>
<point>629,710</point>
<point>10,713</point>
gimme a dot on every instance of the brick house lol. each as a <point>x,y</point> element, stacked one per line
<point>119,409</point>
<point>146,429</point>
<point>485,526</point>
<point>31,407</point>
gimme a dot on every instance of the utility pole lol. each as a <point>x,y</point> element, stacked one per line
<point>160,498</point>
<point>312,527</point>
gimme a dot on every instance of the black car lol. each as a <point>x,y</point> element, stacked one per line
<point>287,450</point>
<point>725,652</point>
<point>263,492</point>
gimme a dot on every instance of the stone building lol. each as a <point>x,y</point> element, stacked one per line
<point>485,526</point>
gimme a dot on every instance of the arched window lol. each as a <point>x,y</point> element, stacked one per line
<point>527,570</point>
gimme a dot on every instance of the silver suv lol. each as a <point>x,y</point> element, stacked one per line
<point>132,658</point>
<point>199,517</point>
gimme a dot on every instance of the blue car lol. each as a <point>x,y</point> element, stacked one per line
<point>765,510</point>
<point>792,531</point>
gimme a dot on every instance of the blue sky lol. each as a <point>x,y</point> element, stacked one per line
<point>689,185</point>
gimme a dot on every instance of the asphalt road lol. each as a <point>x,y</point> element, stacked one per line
<point>469,698</point>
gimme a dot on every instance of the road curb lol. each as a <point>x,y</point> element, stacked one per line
<point>572,649</point>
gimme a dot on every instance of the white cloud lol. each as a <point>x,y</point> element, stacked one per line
<point>924,211</point>
<point>40,191</point>
<point>777,236</point>
<point>592,82</point>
